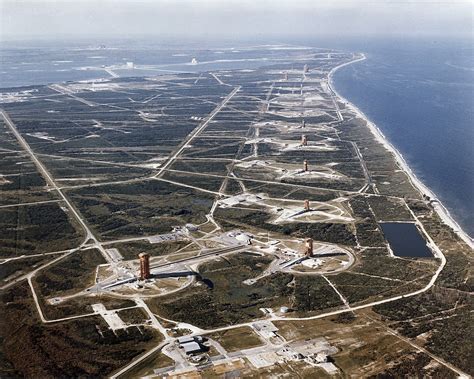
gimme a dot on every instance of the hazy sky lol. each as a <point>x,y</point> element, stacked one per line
<point>215,19</point>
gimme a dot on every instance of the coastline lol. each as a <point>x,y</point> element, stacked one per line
<point>439,208</point>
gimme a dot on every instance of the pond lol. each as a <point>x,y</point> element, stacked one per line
<point>405,240</point>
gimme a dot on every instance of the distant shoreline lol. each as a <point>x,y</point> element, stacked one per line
<point>439,208</point>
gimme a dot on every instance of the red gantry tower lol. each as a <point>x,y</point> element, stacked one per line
<point>144,266</point>
<point>309,247</point>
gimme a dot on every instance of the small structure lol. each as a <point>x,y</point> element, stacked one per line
<point>321,357</point>
<point>329,367</point>
<point>130,65</point>
<point>265,328</point>
<point>306,206</point>
<point>309,247</point>
<point>191,345</point>
<point>312,263</point>
<point>304,140</point>
<point>284,309</point>
<point>199,359</point>
<point>144,266</point>
<point>244,238</point>
<point>305,165</point>
<point>185,339</point>
<point>194,61</point>
<point>192,348</point>
<point>111,317</point>
<point>191,228</point>
<point>237,237</point>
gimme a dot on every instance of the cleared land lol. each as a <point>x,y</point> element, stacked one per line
<point>221,177</point>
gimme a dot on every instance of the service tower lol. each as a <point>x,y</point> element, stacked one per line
<point>304,140</point>
<point>306,206</point>
<point>309,247</point>
<point>144,265</point>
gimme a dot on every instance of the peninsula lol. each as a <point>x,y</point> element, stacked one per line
<point>233,221</point>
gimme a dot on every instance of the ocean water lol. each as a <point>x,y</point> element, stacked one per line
<point>421,95</point>
<point>33,63</point>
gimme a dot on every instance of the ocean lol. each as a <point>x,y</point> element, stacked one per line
<point>419,92</point>
<point>421,96</point>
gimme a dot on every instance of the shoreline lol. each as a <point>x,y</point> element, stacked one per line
<point>438,207</point>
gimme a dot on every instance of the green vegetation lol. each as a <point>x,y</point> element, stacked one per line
<point>77,170</point>
<point>233,187</point>
<point>229,301</point>
<point>443,314</point>
<point>379,263</point>
<point>417,365</point>
<point>344,318</point>
<point>148,365</point>
<point>367,229</point>
<point>133,315</point>
<point>201,166</point>
<point>67,349</point>
<point>12,269</point>
<point>357,288</point>
<point>81,305</point>
<point>290,192</point>
<point>71,274</point>
<point>134,126</point>
<point>130,250</point>
<point>313,293</point>
<point>456,273</point>
<point>389,209</point>
<point>143,208</point>
<point>20,181</point>
<point>209,183</point>
<point>236,339</point>
<point>231,218</point>
<point>41,228</point>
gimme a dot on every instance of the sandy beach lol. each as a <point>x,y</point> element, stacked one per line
<point>440,209</point>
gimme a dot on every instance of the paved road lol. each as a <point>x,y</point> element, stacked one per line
<point>420,348</point>
<point>51,182</point>
<point>367,176</point>
<point>89,236</point>
<point>215,252</point>
<point>32,203</point>
<point>67,92</point>
<point>196,131</point>
<point>138,360</point>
